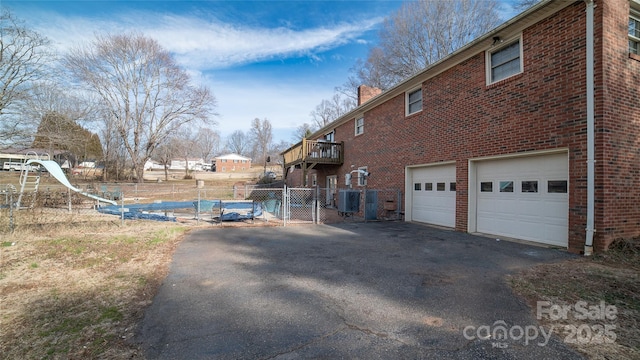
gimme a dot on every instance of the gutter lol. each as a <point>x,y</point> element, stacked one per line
<point>590,229</point>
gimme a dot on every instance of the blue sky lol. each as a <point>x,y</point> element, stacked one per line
<point>264,59</point>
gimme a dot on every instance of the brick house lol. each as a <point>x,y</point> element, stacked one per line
<point>232,163</point>
<point>496,138</point>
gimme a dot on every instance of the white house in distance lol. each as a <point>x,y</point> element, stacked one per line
<point>232,163</point>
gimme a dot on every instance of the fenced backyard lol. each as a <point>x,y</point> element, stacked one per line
<point>195,203</point>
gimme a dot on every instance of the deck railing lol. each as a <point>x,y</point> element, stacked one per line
<point>314,151</point>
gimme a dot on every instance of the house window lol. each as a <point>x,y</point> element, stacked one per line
<point>359,125</point>
<point>634,32</point>
<point>330,137</point>
<point>414,101</point>
<point>362,180</point>
<point>504,62</point>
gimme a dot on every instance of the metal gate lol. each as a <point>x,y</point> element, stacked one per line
<point>303,205</point>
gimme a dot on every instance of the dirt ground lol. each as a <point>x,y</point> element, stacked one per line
<point>602,294</point>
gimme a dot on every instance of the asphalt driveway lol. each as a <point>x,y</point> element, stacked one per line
<point>386,290</point>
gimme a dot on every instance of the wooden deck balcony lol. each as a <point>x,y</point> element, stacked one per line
<point>310,153</point>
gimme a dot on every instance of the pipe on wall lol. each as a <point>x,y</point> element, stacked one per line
<point>590,228</point>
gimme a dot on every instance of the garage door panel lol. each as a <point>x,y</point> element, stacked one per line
<point>433,206</point>
<point>536,216</point>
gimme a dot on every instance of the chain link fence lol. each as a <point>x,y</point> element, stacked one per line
<point>197,204</point>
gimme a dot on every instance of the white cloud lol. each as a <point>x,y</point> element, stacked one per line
<point>202,43</point>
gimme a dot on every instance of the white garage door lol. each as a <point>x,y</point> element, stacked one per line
<point>524,198</point>
<point>433,191</point>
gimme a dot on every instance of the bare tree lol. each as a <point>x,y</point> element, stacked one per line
<point>238,143</point>
<point>207,143</point>
<point>522,5</point>
<point>183,144</point>
<point>261,135</point>
<point>148,95</point>
<point>53,119</point>
<point>163,154</point>
<point>331,109</point>
<point>24,58</point>
<point>303,131</point>
<point>419,34</point>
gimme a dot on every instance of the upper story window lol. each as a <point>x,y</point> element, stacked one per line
<point>504,61</point>
<point>634,32</point>
<point>330,137</point>
<point>359,125</point>
<point>414,101</point>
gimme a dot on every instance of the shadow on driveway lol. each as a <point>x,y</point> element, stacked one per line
<point>369,291</point>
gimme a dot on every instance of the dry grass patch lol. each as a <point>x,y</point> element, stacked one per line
<point>78,290</point>
<point>611,279</point>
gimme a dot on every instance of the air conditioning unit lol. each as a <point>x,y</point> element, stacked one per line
<point>349,201</point>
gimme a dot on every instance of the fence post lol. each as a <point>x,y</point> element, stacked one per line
<point>317,205</point>
<point>11,221</point>
<point>122,210</point>
<point>198,209</point>
<point>285,205</point>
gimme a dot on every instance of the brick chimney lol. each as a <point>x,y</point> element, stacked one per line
<point>366,93</point>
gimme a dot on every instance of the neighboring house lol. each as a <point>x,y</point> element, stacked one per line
<point>232,163</point>
<point>194,164</point>
<point>511,135</point>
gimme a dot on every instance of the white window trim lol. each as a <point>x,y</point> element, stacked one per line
<point>362,180</point>
<point>634,13</point>
<point>356,125</point>
<point>330,136</point>
<point>499,47</point>
<point>406,100</point>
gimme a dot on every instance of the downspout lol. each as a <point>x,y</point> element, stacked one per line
<point>590,229</point>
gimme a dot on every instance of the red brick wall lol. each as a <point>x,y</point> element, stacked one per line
<point>541,109</point>
<point>618,123</point>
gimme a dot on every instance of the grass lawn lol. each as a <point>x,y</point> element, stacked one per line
<point>586,287</point>
<point>79,291</point>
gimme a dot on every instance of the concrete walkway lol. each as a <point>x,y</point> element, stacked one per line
<point>356,291</point>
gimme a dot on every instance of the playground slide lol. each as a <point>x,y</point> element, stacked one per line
<point>56,171</point>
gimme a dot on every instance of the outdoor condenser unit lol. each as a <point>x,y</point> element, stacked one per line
<point>349,201</point>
